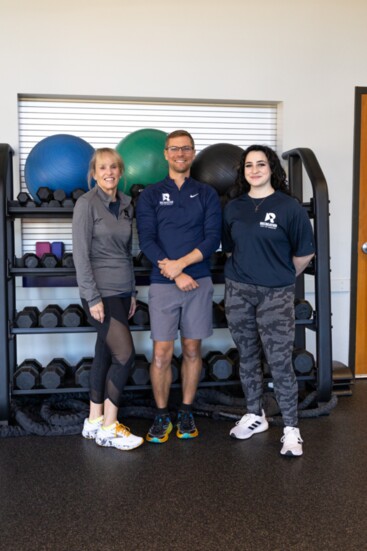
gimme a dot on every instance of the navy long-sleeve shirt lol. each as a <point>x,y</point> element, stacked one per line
<point>172,222</point>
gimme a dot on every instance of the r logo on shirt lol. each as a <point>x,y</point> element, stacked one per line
<point>166,200</point>
<point>269,221</point>
<point>270,217</point>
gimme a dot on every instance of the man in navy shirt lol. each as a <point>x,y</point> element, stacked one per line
<point>179,226</point>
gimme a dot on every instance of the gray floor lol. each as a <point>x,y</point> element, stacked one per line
<point>212,493</point>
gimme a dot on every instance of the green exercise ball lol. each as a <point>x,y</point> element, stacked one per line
<point>143,155</point>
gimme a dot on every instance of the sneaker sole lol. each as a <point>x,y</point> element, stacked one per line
<point>291,454</point>
<point>255,431</point>
<point>109,444</point>
<point>187,435</point>
<point>89,435</point>
<point>156,440</point>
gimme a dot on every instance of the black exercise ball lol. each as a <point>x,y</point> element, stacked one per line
<point>217,165</point>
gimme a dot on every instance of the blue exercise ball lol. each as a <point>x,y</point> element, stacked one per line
<point>143,155</point>
<point>217,165</point>
<point>58,162</point>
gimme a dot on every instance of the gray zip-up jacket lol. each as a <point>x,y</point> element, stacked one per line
<point>102,246</point>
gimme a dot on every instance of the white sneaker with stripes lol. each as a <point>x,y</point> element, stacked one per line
<point>249,425</point>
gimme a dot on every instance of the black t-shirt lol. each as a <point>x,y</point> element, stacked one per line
<point>263,242</point>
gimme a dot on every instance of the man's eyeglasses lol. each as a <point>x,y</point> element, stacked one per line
<point>184,149</point>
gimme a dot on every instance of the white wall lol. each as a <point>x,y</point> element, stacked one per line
<point>310,55</point>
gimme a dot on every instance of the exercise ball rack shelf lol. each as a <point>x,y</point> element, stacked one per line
<point>320,322</point>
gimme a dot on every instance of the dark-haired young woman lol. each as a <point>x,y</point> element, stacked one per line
<point>270,238</point>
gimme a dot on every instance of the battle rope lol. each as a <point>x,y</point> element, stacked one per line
<point>60,415</point>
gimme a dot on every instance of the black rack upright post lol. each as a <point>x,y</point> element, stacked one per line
<point>298,159</point>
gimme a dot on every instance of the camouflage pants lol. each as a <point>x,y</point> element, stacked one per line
<point>261,319</point>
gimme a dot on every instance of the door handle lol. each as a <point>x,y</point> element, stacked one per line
<point>364,247</point>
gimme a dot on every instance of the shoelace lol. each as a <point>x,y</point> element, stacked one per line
<point>186,421</point>
<point>125,431</point>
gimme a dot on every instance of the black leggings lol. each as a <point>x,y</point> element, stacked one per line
<point>114,352</point>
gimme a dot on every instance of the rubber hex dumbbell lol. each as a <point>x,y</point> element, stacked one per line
<point>44,194</point>
<point>30,260</point>
<point>26,376</point>
<point>67,260</point>
<point>82,372</point>
<point>141,315</point>
<point>50,317</point>
<point>49,260</point>
<point>25,200</point>
<point>68,202</point>
<point>76,193</point>
<point>303,361</point>
<point>140,371</point>
<point>302,309</point>
<point>54,374</point>
<point>73,316</point>
<point>27,318</point>
<point>220,367</point>
<point>59,195</point>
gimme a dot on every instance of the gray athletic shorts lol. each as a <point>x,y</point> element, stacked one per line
<point>171,309</point>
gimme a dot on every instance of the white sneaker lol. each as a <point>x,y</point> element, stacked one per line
<point>90,429</point>
<point>118,437</point>
<point>292,442</point>
<point>248,425</point>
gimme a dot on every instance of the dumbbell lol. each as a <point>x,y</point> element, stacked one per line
<point>68,202</point>
<point>44,194</point>
<point>50,317</point>
<point>54,374</point>
<point>28,317</point>
<point>82,372</point>
<point>302,309</point>
<point>27,374</point>
<point>49,260</point>
<point>220,367</point>
<point>303,361</point>
<point>59,195</point>
<point>219,316</point>
<point>76,193</point>
<point>67,260</point>
<point>140,371</point>
<point>141,315</point>
<point>25,200</point>
<point>73,316</point>
<point>30,260</point>
<point>141,261</point>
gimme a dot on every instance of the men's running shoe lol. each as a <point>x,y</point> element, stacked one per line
<point>160,430</point>
<point>186,427</point>
<point>249,425</point>
<point>118,436</point>
<point>90,428</point>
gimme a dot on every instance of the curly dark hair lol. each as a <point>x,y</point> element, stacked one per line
<point>278,175</point>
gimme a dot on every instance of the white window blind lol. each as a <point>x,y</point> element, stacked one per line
<point>104,123</point>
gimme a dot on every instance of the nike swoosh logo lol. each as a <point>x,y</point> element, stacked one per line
<point>192,196</point>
